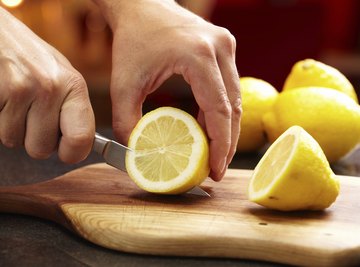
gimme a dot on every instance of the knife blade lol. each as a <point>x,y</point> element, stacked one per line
<point>114,154</point>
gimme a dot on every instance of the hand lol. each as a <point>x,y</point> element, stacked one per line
<point>154,39</point>
<point>42,97</point>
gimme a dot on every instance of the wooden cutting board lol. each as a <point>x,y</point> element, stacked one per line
<point>104,206</point>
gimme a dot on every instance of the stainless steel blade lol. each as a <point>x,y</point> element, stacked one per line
<point>198,191</point>
<point>113,152</point>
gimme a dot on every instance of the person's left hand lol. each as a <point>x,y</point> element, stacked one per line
<point>156,39</point>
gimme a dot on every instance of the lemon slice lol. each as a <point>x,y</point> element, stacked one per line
<point>170,152</point>
<point>294,174</point>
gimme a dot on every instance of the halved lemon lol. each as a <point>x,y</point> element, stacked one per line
<point>294,174</point>
<point>170,152</point>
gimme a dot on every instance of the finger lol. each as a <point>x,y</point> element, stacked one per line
<point>227,65</point>
<point>3,97</point>
<point>201,119</point>
<point>42,127</point>
<point>127,98</point>
<point>215,175</point>
<point>210,93</point>
<point>77,124</point>
<point>13,117</point>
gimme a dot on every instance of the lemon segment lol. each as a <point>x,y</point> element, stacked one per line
<point>310,72</point>
<point>294,174</point>
<point>170,152</point>
<point>257,98</point>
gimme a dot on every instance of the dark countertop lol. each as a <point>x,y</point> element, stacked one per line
<point>29,241</point>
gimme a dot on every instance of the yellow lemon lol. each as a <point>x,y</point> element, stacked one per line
<point>310,72</point>
<point>331,117</point>
<point>170,152</point>
<point>294,174</point>
<point>257,98</point>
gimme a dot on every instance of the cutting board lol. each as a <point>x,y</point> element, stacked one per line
<point>104,206</point>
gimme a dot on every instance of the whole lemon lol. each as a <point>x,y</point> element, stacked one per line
<point>310,72</point>
<point>257,98</point>
<point>331,117</point>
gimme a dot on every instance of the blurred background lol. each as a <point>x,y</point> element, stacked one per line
<point>271,36</point>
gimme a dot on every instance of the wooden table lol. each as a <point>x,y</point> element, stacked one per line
<point>28,241</point>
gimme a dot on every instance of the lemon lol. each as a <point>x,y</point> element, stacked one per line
<point>294,174</point>
<point>310,72</point>
<point>170,152</point>
<point>331,117</point>
<point>257,98</point>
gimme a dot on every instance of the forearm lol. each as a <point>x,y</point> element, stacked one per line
<point>6,22</point>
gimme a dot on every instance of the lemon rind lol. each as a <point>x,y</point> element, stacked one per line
<point>256,195</point>
<point>182,181</point>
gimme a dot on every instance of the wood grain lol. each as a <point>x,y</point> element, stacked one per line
<point>104,206</point>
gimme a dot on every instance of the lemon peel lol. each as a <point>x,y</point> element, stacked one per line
<point>331,117</point>
<point>170,152</point>
<point>310,72</point>
<point>294,174</point>
<point>257,98</point>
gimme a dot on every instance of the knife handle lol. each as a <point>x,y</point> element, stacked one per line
<point>100,143</point>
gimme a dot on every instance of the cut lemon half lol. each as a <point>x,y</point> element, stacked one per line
<point>294,174</point>
<point>170,152</point>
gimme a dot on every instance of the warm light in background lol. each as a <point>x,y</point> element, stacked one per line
<point>11,3</point>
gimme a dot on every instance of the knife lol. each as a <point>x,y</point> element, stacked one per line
<point>114,154</point>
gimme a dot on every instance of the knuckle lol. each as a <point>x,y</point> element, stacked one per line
<point>224,108</point>
<point>227,40</point>
<point>24,88</point>
<point>48,89</point>
<point>20,90</point>
<point>76,83</point>
<point>237,106</point>
<point>204,47</point>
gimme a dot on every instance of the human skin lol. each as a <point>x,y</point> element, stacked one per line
<point>154,39</point>
<point>44,102</point>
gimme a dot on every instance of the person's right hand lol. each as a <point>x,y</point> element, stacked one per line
<point>42,97</point>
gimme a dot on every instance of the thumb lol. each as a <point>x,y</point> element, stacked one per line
<point>127,97</point>
<point>77,124</point>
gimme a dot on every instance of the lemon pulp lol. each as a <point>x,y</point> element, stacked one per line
<point>276,162</point>
<point>170,152</point>
<point>156,160</point>
<point>294,174</point>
